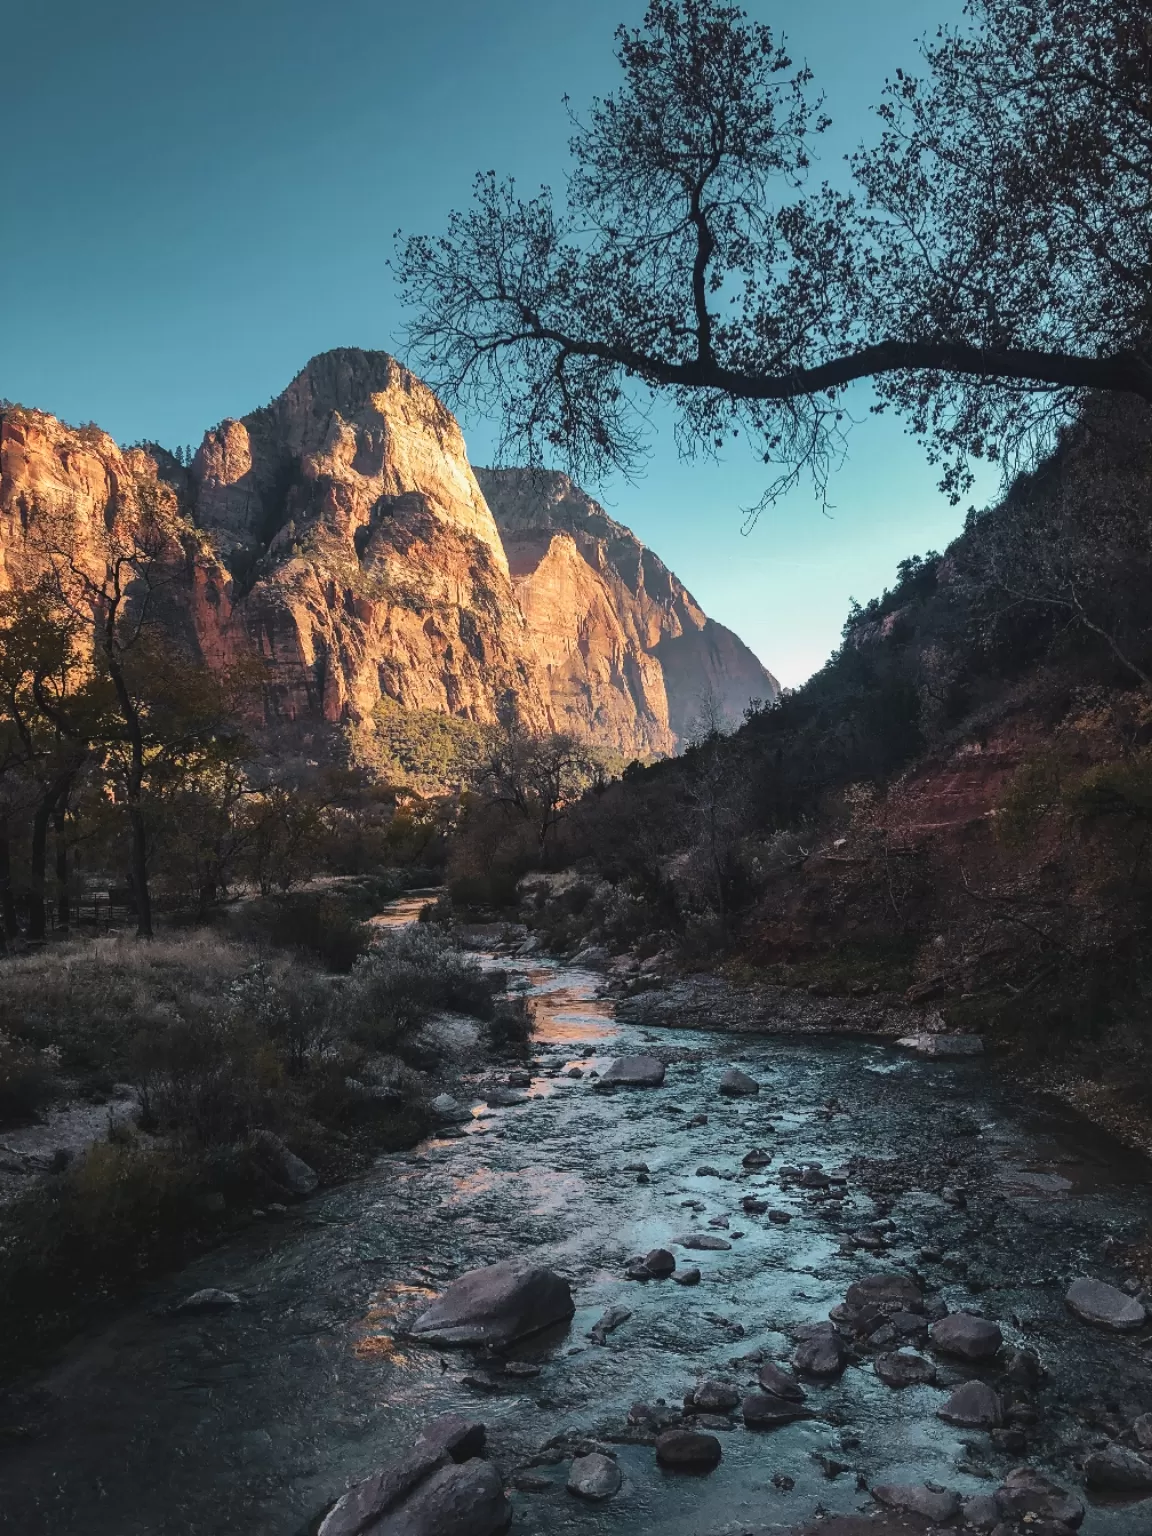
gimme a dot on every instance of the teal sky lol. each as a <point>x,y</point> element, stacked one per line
<point>201,194</point>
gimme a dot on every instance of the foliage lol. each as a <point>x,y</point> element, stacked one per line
<point>406,976</point>
<point>988,273</point>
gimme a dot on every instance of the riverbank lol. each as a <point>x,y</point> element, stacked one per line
<point>261,1412</point>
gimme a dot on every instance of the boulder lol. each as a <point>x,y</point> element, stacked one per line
<point>1093,1301</point>
<point>594,1476</point>
<point>660,1263</point>
<point>497,1305</point>
<point>1118,1471</point>
<point>208,1300</point>
<point>610,1321</point>
<point>735,1084</point>
<point>943,1046</point>
<point>687,1276</point>
<point>973,1406</point>
<point>936,1504</point>
<point>712,1396</point>
<point>444,1443</point>
<point>284,1166</point>
<point>635,1072</point>
<point>764,1410</point>
<point>902,1368</point>
<point>466,1500</point>
<point>888,1292</point>
<point>966,1337</point>
<point>752,1205</point>
<point>757,1158</point>
<point>980,1512</point>
<point>704,1242</point>
<point>1031,1495</point>
<point>688,1450</point>
<point>446,1110</point>
<point>821,1352</point>
<point>1142,1429</point>
<point>779,1383</point>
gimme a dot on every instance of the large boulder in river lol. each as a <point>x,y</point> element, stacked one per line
<point>974,1405</point>
<point>595,1477</point>
<point>635,1072</point>
<point>1095,1302</point>
<point>966,1337</point>
<point>688,1450</point>
<point>936,1504</point>
<point>437,1488</point>
<point>735,1084</point>
<point>1029,1496</point>
<point>496,1306</point>
<point>888,1292</point>
<point>1118,1470</point>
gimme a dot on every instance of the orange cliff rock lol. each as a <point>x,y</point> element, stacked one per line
<point>340,534</point>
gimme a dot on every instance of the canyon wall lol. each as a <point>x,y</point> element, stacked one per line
<point>340,535</point>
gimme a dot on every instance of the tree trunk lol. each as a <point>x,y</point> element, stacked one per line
<point>7,903</point>
<point>63,905</point>
<point>140,869</point>
<point>37,911</point>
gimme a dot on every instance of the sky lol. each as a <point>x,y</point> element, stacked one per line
<point>200,195</point>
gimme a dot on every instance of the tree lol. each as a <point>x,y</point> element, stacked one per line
<point>535,777</point>
<point>990,272</point>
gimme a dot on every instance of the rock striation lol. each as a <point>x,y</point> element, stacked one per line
<point>616,632</point>
<point>340,535</point>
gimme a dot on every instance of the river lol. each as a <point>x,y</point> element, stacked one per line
<point>248,1422</point>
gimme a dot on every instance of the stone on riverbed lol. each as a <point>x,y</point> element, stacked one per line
<point>943,1045</point>
<point>688,1450</point>
<point>688,1276</point>
<point>779,1383</point>
<point>713,1396</point>
<point>610,1321</point>
<point>496,1305</point>
<point>735,1084</point>
<point>888,1292</point>
<point>208,1300</point>
<point>1118,1470</point>
<point>595,1477</point>
<point>660,1263</point>
<point>902,1368</point>
<point>283,1165</point>
<point>967,1337</point>
<point>1095,1302</point>
<point>635,1072</point>
<point>764,1410</point>
<point>1029,1495</point>
<point>936,1504</point>
<point>445,1109</point>
<point>820,1352</point>
<point>973,1406</point>
<point>757,1158</point>
<point>704,1242</point>
<point>437,1488</point>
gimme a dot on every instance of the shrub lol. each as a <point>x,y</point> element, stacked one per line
<point>207,1080</point>
<point>512,1026</point>
<point>404,978</point>
<point>27,1081</point>
<point>319,925</point>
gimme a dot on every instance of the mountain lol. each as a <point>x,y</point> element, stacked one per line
<point>340,534</point>
<point>615,631</point>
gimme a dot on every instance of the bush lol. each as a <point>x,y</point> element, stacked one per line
<point>28,1081</point>
<point>207,1080</point>
<point>407,975</point>
<point>319,925</point>
<point>512,1025</point>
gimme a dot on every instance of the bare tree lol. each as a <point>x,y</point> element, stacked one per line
<point>991,272</point>
<point>536,777</point>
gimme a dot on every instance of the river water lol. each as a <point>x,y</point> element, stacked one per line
<point>248,1422</point>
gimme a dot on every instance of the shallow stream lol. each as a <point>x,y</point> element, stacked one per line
<point>248,1422</point>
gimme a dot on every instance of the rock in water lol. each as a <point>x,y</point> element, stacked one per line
<point>659,1263</point>
<point>703,1242</point>
<point>936,1504</point>
<point>410,1496</point>
<point>1118,1470</point>
<point>764,1410</point>
<point>688,1276</point>
<point>284,1165</point>
<point>611,1320</point>
<point>821,1352</point>
<point>901,1368</point>
<point>1030,1495</point>
<point>943,1045</point>
<point>594,1477</point>
<point>974,1406</point>
<point>715,1397</point>
<point>779,1383</point>
<point>688,1450</point>
<point>497,1305</point>
<point>208,1300</point>
<point>635,1072</point>
<point>966,1337</point>
<point>1095,1302</point>
<point>735,1084</point>
<point>446,1109</point>
<point>887,1292</point>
